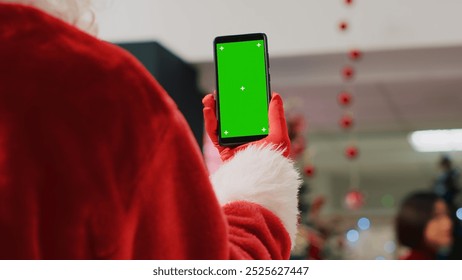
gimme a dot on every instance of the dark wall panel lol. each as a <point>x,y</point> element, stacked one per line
<point>177,77</point>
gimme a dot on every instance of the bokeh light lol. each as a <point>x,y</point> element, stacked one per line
<point>390,247</point>
<point>364,223</point>
<point>352,235</point>
<point>459,214</point>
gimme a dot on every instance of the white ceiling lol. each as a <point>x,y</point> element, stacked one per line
<point>294,27</point>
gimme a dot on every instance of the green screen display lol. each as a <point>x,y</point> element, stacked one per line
<point>242,88</point>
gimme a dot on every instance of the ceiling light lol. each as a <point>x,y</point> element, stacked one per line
<point>443,140</point>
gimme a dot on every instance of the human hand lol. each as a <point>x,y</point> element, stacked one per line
<point>278,136</point>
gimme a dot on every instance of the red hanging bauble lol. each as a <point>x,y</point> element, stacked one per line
<point>348,2</point>
<point>351,152</point>
<point>354,199</point>
<point>355,54</point>
<point>310,170</point>
<point>348,72</point>
<point>345,98</point>
<point>346,122</point>
<point>343,26</point>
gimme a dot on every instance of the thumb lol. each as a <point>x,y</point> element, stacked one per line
<point>210,118</point>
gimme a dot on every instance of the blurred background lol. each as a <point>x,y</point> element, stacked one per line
<point>362,74</point>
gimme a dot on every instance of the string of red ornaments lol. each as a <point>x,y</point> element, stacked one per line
<point>354,199</point>
<point>344,98</point>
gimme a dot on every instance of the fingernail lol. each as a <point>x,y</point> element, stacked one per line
<point>204,100</point>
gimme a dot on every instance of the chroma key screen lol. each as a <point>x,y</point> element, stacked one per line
<point>242,88</point>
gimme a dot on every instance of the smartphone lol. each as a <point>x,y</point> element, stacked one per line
<point>243,88</point>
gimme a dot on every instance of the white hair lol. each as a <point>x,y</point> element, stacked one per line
<point>79,13</point>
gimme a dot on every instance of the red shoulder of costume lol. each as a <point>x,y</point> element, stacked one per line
<point>81,120</point>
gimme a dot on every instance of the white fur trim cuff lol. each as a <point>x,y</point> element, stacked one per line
<point>264,176</point>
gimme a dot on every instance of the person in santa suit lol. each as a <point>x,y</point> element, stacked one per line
<point>96,161</point>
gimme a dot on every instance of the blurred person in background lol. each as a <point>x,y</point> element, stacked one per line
<point>96,161</point>
<point>424,226</point>
<point>447,186</point>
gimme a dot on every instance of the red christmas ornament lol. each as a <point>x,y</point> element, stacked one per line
<point>343,26</point>
<point>348,72</point>
<point>310,170</point>
<point>346,122</point>
<point>354,199</point>
<point>345,98</point>
<point>348,2</point>
<point>295,126</point>
<point>351,152</point>
<point>355,54</point>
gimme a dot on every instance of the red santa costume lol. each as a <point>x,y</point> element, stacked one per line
<point>96,161</point>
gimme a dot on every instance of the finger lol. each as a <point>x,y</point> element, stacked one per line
<point>209,101</point>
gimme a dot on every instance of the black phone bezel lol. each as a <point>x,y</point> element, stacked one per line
<point>235,141</point>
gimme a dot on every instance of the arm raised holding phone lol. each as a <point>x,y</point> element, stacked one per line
<point>258,175</point>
